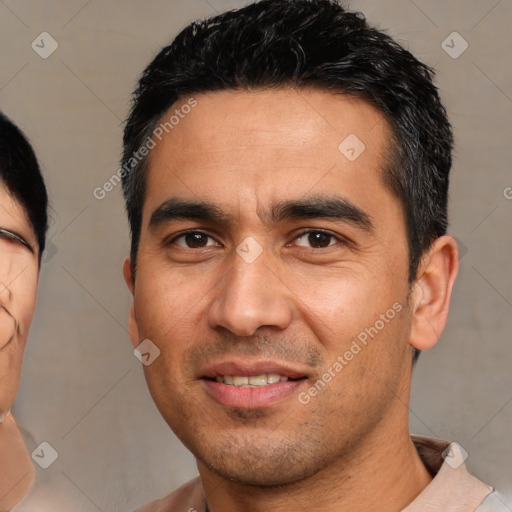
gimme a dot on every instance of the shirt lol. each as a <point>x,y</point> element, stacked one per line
<point>452,489</point>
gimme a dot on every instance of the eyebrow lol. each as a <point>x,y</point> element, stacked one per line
<point>316,207</point>
<point>11,235</point>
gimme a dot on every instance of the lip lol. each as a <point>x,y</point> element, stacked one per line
<point>251,369</point>
<point>252,398</point>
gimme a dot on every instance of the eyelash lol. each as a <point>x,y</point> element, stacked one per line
<point>338,238</point>
<point>13,237</point>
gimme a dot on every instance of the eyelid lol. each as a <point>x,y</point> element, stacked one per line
<point>187,232</point>
<point>306,231</point>
<point>10,235</point>
<point>338,237</point>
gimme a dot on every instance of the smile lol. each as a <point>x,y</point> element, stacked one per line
<point>254,381</point>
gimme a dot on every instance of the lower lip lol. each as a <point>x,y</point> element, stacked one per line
<point>251,398</point>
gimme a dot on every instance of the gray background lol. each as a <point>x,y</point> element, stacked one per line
<point>82,390</point>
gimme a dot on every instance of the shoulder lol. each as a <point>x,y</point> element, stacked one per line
<point>187,498</point>
<point>494,502</point>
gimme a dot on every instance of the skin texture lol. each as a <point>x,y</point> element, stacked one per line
<point>19,269</point>
<point>298,304</point>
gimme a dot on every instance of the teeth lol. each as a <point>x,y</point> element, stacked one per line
<point>251,382</point>
<point>240,381</point>
<point>258,380</point>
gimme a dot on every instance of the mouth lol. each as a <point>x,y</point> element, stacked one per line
<point>251,386</point>
<point>254,381</point>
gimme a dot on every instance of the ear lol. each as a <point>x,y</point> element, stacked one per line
<point>431,292</point>
<point>133,327</point>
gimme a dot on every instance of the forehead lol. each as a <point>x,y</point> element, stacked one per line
<point>269,145</point>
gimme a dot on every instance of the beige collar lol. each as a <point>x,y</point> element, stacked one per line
<point>453,489</point>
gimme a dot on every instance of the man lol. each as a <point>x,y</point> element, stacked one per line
<point>285,171</point>
<point>23,226</point>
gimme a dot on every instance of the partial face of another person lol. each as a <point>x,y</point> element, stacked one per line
<point>266,250</point>
<point>19,269</point>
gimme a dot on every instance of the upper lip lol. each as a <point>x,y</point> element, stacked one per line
<point>252,368</point>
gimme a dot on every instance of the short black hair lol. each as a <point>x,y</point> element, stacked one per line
<point>305,43</point>
<point>21,175</point>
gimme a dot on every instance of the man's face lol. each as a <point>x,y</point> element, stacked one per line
<point>265,251</point>
<point>19,268</point>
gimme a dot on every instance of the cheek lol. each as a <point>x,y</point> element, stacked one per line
<point>340,304</point>
<point>18,296</point>
<point>24,295</point>
<point>166,302</point>
<point>362,326</point>
<point>7,327</point>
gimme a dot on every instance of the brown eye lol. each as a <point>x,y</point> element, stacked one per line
<point>316,239</point>
<point>194,240</point>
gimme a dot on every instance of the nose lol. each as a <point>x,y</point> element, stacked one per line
<point>250,296</point>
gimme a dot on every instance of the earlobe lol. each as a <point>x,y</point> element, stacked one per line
<point>133,328</point>
<point>431,293</point>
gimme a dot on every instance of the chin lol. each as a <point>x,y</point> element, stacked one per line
<point>268,463</point>
<point>258,476</point>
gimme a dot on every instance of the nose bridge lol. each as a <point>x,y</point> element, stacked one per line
<point>250,296</point>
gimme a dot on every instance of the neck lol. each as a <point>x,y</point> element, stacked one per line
<point>385,473</point>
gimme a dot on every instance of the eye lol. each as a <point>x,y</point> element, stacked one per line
<point>8,236</point>
<point>194,240</point>
<point>316,239</point>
